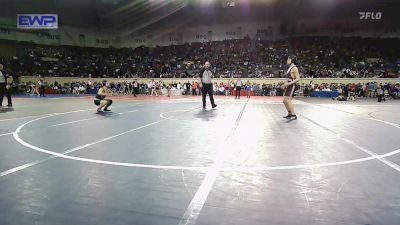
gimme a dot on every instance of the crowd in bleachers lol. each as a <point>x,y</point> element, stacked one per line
<point>359,90</point>
<point>348,57</point>
<point>364,90</point>
<point>318,56</point>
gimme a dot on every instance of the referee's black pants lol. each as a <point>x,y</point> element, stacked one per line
<point>207,89</point>
<point>238,90</point>
<point>42,90</point>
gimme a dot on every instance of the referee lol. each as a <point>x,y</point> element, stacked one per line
<point>207,87</point>
<point>239,85</point>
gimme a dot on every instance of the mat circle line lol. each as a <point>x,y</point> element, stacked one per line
<point>189,168</point>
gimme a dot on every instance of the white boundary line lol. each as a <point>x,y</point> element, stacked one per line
<point>240,168</point>
<point>332,104</point>
<point>58,113</point>
<point>16,118</point>
<point>5,134</point>
<point>371,117</point>
<point>71,122</point>
<point>50,114</point>
<point>263,168</point>
<point>13,170</point>
<point>69,97</point>
<point>194,209</point>
<point>62,155</point>
<point>373,154</point>
<point>91,118</point>
<point>162,115</point>
<point>369,152</point>
<point>195,206</point>
<point>309,166</point>
<point>386,122</point>
<point>122,113</point>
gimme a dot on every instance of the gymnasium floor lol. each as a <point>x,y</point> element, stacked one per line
<point>166,161</point>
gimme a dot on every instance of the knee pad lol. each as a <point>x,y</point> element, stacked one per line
<point>110,101</point>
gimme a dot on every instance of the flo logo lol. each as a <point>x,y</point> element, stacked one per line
<point>370,15</point>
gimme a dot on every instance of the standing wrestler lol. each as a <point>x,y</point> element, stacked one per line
<point>289,86</point>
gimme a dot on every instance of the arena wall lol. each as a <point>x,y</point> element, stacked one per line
<point>180,33</point>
